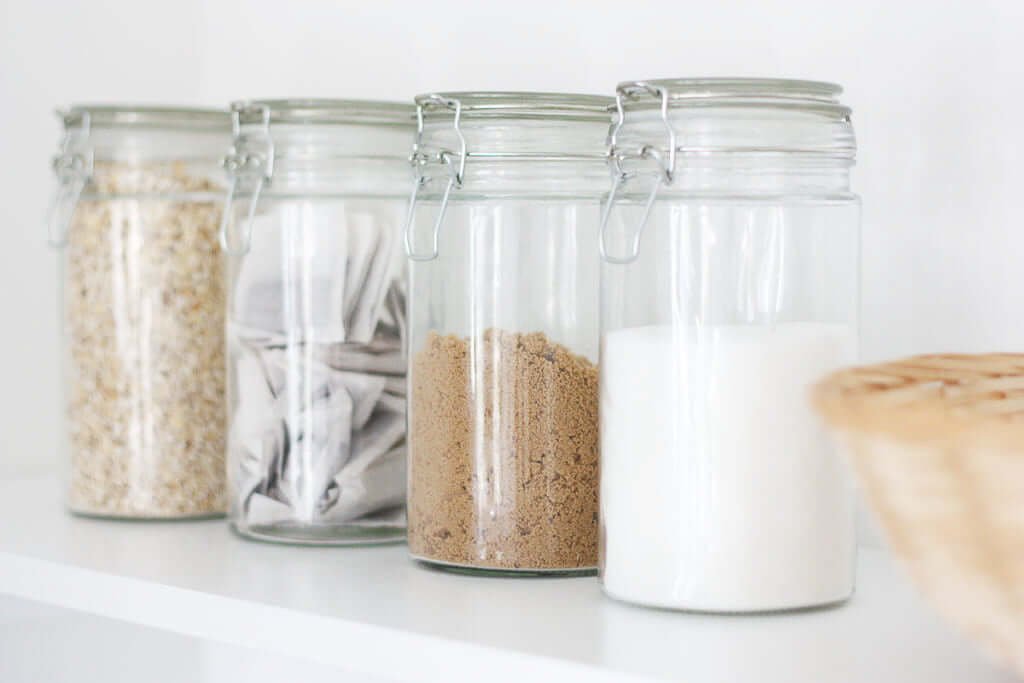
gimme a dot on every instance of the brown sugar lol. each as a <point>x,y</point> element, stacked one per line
<point>503,453</point>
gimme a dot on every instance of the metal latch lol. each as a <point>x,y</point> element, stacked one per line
<point>453,161</point>
<point>664,165</point>
<point>249,167</point>
<point>74,169</point>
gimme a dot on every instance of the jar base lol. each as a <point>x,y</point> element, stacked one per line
<point>812,606</point>
<point>142,517</point>
<point>506,572</point>
<point>320,535</point>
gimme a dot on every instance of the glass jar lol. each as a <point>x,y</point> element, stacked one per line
<point>729,286</point>
<point>316,320</point>
<point>136,218</point>
<point>503,312</point>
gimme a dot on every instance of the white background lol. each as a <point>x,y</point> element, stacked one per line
<point>936,90</point>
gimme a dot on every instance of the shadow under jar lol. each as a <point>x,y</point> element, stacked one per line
<point>136,219</point>
<point>502,238</point>
<point>316,320</point>
<point>729,286</point>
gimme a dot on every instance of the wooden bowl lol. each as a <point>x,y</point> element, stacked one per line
<point>938,445</point>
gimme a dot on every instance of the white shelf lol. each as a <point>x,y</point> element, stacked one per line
<point>371,610</point>
<point>42,643</point>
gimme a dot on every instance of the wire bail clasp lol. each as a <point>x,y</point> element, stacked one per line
<point>249,166</point>
<point>74,168</point>
<point>664,161</point>
<point>453,161</point>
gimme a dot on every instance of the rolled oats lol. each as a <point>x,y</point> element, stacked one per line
<point>144,320</point>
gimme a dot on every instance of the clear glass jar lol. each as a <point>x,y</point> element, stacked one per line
<point>504,331</point>
<point>316,320</point>
<point>729,285</point>
<point>136,218</point>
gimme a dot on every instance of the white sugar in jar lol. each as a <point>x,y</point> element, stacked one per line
<point>730,246</point>
<point>720,490</point>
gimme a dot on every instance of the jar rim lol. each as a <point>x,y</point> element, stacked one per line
<point>821,96</point>
<point>511,104</point>
<point>137,116</point>
<point>682,88</point>
<point>311,110</point>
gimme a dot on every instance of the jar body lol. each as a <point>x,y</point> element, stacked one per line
<point>503,458</point>
<point>503,385</point>
<point>316,322</point>
<point>317,372</point>
<point>143,321</point>
<point>719,489</point>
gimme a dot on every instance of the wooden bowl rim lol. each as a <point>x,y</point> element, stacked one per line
<point>948,399</point>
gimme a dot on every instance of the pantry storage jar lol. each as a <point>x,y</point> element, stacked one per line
<point>502,240</point>
<point>729,286</point>
<point>316,320</point>
<point>136,216</point>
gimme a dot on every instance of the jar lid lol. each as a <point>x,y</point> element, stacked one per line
<point>531,126</point>
<point>553,129</point>
<point>818,96</point>
<point>523,105</point>
<point>325,111</point>
<point>658,120</point>
<point>143,116</point>
<point>740,123</point>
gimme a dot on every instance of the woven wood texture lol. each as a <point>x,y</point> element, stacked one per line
<point>938,444</point>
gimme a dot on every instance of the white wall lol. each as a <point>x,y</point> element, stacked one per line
<point>936,90</point>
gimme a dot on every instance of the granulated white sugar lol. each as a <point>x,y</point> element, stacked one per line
<point>720,491</point>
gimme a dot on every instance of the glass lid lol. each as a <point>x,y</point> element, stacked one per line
<point>719,92</point>
<point>521,105</point>
<point>326,111</point>
<point>143,116</point>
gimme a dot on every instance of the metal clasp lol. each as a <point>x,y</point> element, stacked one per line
<point>249,167</point>
<point>74,169</point>
<point>453,161</point>
<point>664,170</point>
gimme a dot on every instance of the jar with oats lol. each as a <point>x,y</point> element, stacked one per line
<point>502,240</point>
<point>136,222</point>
